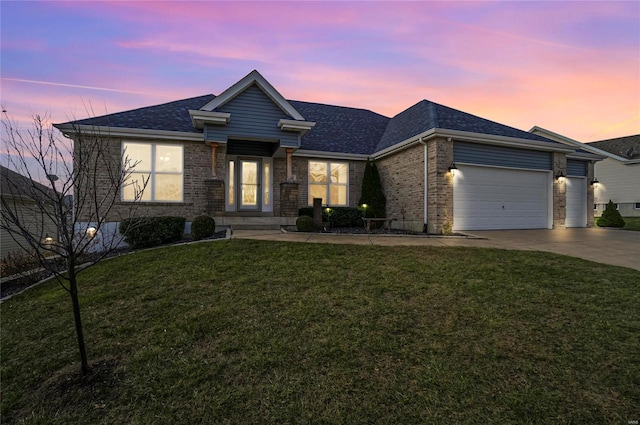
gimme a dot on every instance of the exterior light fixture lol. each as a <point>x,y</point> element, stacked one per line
<point>48,239</point>
<point>91,232</point>
<point>452,168</point>
<point>364,206</point>
<point>594,182</point>
<point>560,176</point>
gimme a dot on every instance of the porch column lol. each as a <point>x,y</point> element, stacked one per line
<point>289,166</point>
<point>214,159</point>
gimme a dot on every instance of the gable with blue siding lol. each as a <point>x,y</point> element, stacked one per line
<point>254,116</point>
<point>501,156</point>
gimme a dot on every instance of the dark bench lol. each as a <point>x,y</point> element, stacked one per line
<point>386,223</point>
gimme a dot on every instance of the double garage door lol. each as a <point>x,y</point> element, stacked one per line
<point>488,198</point>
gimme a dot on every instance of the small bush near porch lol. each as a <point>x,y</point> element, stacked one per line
<point>262,332</point>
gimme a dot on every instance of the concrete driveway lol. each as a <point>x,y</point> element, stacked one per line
<point>609,246</point>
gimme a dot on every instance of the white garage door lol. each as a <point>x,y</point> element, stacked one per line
<point>576,202</point>
<point>486,198</point>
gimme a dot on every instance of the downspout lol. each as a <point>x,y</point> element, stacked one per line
<point>426,191</point>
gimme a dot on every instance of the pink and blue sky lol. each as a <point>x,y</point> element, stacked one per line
<point>570,67</point>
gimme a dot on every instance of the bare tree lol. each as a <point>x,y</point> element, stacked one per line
<point>80,186</point>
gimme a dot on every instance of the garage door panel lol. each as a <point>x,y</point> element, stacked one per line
<point>498,198</point>
<point>576,192</point>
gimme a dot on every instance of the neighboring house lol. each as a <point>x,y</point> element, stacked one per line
<point>249,157</point>
<point>20,194</point>
<point>617,175</point>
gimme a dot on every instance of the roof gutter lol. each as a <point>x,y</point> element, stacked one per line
<point>468,136</point>
<point>70,130</point>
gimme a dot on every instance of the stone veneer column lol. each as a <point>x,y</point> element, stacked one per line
<point>439,186</point>
<point>590,194</point>
<point>559,190</point>
<point>215,197</point>
<point>288,199</point>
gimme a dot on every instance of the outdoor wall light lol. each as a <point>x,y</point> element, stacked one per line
<point>364,206</point>
<point>594,182</point>
<point>560,176</point>
<point>452,168</point>
<point>91,232</point>
<point>48,239</point>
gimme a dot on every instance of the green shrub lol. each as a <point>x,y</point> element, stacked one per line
<point>611,217</point>
<point>203,227</point>
<point>146,232</point>
<point>18,262</point>
<point>304,223</point>
<point>372,193</point>
<point>337,216</point>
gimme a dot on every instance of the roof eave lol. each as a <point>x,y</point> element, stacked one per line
<point>468,136</point>
<point>70,130</point>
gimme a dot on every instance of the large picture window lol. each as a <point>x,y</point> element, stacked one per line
<point>329,181</point>
<point>160,166</point>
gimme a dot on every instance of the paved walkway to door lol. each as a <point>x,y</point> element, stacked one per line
<point>609,246</point>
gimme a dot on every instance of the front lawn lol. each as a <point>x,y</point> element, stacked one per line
<point>631,223</point>
<point>248,332</point>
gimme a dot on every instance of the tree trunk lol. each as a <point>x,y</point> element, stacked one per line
<point>78,320</point>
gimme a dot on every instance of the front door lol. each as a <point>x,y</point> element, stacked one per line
<point>249,185</point>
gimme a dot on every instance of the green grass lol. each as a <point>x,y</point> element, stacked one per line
<point>281,333</point>
<point>631,223</point>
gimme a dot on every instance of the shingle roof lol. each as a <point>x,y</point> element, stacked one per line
<point>171,116</point>
<point>341,129</point>
<point>338,129</point>
<point>13,184</point>
<point>426,115</point>
<point>626,147</point>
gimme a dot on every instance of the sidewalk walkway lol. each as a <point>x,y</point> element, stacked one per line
<point>616,247</point>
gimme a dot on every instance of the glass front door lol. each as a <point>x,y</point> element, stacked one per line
<point>249,185</point>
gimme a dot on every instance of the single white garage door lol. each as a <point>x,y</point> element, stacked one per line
<point>487,198</point>
<point>576,191</point>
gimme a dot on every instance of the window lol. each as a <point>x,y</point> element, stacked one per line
<point>160,166</point>
<point>636,206</point>
<point>329,181</point>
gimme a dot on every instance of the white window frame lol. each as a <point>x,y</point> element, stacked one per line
<point>151,185</point>
<point>636,205</point>
<point>328,183</point>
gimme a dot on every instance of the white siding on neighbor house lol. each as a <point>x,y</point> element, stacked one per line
<point>30,215</point>
<point>487,198</point>
<point>618,182</point>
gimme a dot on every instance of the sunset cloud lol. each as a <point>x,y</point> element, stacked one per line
<point>572,67</point>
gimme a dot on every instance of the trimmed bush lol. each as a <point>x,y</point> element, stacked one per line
<point>304,223</point>
<point>611,217</point>
<point>337,216</point>
<point>372,193</point>
<point>146,232</point>
<point>202,227</point>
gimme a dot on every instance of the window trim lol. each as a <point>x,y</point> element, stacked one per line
<point>328,183</point>
<point>152,172</point>
<point>636,205</point>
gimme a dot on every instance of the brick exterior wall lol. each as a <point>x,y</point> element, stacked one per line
<point>402,177</point>
<point>205,194</point>
<point>197,169</point>
<point>215,197</point>
<point>440,186</point>
<point>559,191</point>
<point>288,199</point>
